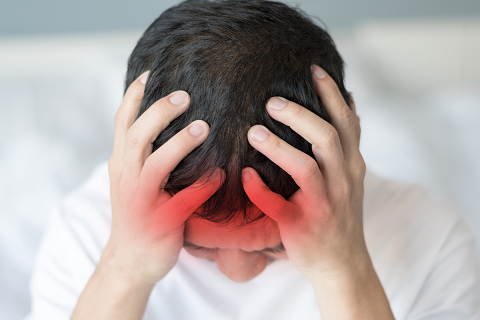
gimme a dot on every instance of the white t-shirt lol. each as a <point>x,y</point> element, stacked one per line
<point>421,248</point>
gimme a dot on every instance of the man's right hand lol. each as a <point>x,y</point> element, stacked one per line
<point>147,222</point>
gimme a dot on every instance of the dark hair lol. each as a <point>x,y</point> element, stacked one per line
<point>231,57</point>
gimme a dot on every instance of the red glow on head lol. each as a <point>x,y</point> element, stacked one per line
<point>254,236</point>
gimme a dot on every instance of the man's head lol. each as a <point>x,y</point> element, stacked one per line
<point>231,57</point>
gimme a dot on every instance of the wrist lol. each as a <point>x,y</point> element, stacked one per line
<point>338,263</point>
<point>112,294</point>
<point>354,270</point>
<point>351,292</point>
<point>127,269</point>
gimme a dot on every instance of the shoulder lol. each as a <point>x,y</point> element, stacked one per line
<point>93,194</point>
<point>409,211</point>
<point>422,249</point>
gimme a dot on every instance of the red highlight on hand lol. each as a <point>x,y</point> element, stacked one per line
<point>272,204</point>
<point>177,209</point>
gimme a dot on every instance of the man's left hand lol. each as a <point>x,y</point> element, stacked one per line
<point>321,224</point>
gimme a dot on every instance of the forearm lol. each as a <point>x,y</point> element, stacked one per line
<point>353,293</point>
<point>110,295</point>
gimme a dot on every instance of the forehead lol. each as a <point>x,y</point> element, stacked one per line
<point>254,236</point>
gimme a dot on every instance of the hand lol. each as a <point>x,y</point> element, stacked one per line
<point>147,222</point>
<point>321,224</point>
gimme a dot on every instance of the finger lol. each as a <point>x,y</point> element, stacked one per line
<point>177,210</point>
<point>148,126</point>
<point>272,204</point>
<point>320,134</point>
<point>126,114</point>
<point>166,158</point>
<point>342,117</point>
<point>300,166</point>
<point>358,130</point>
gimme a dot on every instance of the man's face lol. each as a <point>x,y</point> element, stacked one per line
<point>241,253</point>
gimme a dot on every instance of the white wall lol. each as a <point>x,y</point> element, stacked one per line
<point>59,16</point>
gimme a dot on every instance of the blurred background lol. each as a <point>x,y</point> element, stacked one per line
<point>412,66</point>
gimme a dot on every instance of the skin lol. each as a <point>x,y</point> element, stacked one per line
<point>237,251</point>
<point>320,226</point>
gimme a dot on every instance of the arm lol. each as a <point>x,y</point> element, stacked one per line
<point>353,293</point>
<point>321,224</point>
<point>111,294</point>
<point>147,222</point>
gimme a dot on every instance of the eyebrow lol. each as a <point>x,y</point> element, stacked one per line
<point>276,249</point>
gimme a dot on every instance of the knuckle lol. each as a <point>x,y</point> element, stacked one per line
<point>111,167</point>
<point>279,208</point>
<point>120,120</point>
<point>298,112</point>
<point>278,203</point>
<point>331,137</point>
<point>276,145</point>
<point>114,172</point>
<point>184,205</point>
<point>182,140</point>
<point>159,111</point>
<point>359,167</point>
<point>357,122</point>
<point>309,168</point>
<point>152,167</point>
<point>346,115</point>
<point>135,91</point>
<point>133,141</point>
<point>351,101</point>
<point>274,204</point>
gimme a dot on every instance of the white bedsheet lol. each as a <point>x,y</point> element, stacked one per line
<point>58,96</point>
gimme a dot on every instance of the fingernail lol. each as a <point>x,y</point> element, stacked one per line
<point>145,77</point>
<point>246,175</point>
<point>179,98</point>
<point>277,103</point>
<point>318,72</point>
<point>259,135</point>
<point>197,129</point>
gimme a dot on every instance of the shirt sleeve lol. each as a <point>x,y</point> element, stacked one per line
<point>70,250</point>
<point>451,289</point>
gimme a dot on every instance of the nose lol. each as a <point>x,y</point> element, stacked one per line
<point>240,266</point>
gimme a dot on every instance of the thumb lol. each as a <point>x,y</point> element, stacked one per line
<point>185,202</point>
<point>272,204</point>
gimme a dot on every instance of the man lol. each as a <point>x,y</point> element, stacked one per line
<point>245,152</point>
